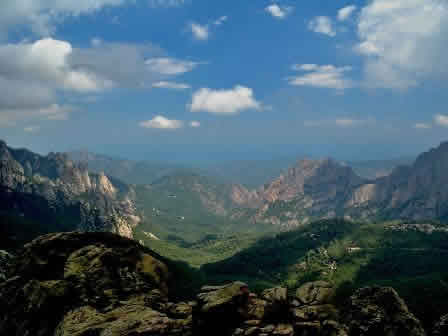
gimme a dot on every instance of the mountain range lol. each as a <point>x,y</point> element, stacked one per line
<point>52,193</point>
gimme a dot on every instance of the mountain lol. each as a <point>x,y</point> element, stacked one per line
<point>311,189</point>
<point>51,193</point>
<point>319,189</point>
<point>128,171</point>
<point>416,192</point>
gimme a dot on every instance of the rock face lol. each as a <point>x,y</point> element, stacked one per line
<point>312,189</point>
<point>5,259</point>
<point>56,192</point>
<point>83,284</point>
<point>380,311</point>
<point>86,284</point>
<point>321,189</point>
<point>441,328</point>
<point>411,192</point>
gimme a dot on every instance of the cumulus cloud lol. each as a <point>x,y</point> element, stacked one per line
<point>160,122</point>
<point>200,32</point>
<point>403,41</point>
<point>346,12</point>
<point>225,102</point>
<point>278,12</point>
<point>32,74</point>
<point>441,120</point>
<point>195,124</point>
<point>322,25</point>
<point>322,76</point>
<point>170,85</point>
<point>170,66</point>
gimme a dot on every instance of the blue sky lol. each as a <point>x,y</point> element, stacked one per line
<point>176,79</point>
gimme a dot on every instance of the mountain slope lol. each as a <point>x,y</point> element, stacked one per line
<point>311,189</point>
<point>60,195</point>
<point>187,207</point>
<point>414,192</point>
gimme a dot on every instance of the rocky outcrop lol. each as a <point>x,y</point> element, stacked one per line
<point>79,284</point>
<point>5,259</point>
<point>54,191</point>
<point>441,328</point>
<point>88,283</point>
<point>380,311</point>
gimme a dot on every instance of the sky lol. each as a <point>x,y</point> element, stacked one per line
<point>187,80</point>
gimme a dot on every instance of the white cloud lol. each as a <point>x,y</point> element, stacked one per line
<point>47,61</point>
<point>346,12</point>
<point>341,123</point>
<point>32,129</point>
<point>279,12</point>
<point>195,124</point>
<point>33,74</point>
<point>322,25</point>
<point>220,21</point>
<point>200,32</point>
<point>322,76</point>
<point>441,120</point>
<point>170,66</point>
<point>231,101</point>
<point>403,41</point>
<point>170,85</point>
<point>422,126</point>
<point>43,15</point>
<point>160,122</point>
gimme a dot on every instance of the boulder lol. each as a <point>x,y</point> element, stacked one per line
<point>318,292</point>
<point>441,327</point>
<point>61,273</point>
<point>376,311</point>
<point>223,298</point>
<point>5,259</point>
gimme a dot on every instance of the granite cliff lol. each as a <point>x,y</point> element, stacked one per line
<point>60,195</point>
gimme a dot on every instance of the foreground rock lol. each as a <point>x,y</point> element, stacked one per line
<point>100,284</point>
<point>5,259</point>
<point>92,282</point>
<point>380,311</point>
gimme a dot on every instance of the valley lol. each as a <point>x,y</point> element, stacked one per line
<point>317,221</point>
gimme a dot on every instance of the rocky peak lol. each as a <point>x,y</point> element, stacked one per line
<point>47,188</point>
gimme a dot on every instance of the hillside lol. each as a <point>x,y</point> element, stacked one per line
<point>411,257</point>
<point>56,194</point>
<point>184,208</point>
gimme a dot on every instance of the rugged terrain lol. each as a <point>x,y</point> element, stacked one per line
<point>103,284</point>
<point>318,189</point>
<point>51,193</point>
